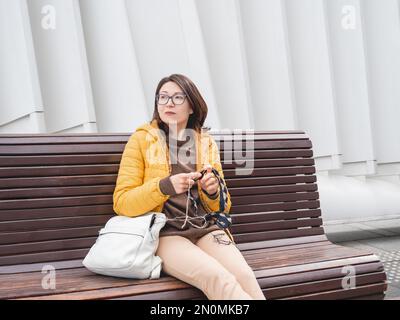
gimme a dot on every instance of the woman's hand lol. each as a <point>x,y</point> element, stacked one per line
<point>209,182</point>
<point>181,181</point>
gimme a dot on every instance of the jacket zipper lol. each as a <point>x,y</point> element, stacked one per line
<point>169,168</point>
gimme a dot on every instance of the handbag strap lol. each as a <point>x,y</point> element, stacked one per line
<point>223,219</point>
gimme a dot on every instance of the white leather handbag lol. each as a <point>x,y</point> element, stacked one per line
<point>126,247</point>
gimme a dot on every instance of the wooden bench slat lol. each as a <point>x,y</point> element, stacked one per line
<point>226,157</point>
<point>34,236</point>
<point>44,213</point>
<point>32,161</point>
<point>272,235</point>
<point>182,294</point>
<point>265,190</point>
<point>55,192</point>
<point>107,199</point>
<point>111,169</point>
<point>273,198</point>
<point>90,220</point>
<point>53,160</point>
<point>56,202</point>
<point>379,296</point>
<point>318,275</point>
<point>44,256</point>
<point>118,147</point>
<point>60,181</point>
<point>325,285</point>
<point>15,172</point>
<point>312,264</point>
<point>275,225</point>
<point>267,220</point>
<point>34,138</point>
<point>257,172</point>
<point>343,294</point>
<point>247,208</point>
<point>44,149</point>
<point>81,279</point>
<point>46,246</point>
<point>239,193</point>
<point>15,269</point>
<point>281,242</point>
<point>274,216</point>
<point>243,135</point>
<point>57,181</point>
<point>265,163</point>
<point>283,258</point>
<point>218,132</point>
<point>234,155</point>
<point>139,292</point>
<point>267,181</point>
<point>226,144</point>
<point>61,213</point>
<point>54,223</point>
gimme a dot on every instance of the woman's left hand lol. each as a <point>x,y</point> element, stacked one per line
<point>209,182</point>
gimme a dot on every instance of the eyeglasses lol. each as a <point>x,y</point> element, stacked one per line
<point>177,98</point>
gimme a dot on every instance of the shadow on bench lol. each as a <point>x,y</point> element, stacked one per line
<point>56,194</point>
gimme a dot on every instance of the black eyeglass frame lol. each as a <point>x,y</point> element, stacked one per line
<point>170,97</point>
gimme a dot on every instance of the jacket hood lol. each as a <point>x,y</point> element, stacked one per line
<point>153,129</point>
<point>150,128</point>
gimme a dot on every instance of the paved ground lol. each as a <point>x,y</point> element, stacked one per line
<point>381,237</point>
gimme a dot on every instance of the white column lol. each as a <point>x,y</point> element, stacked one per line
<point>21,108</point>
<point>382,25</point>
<point>312,79</point>
<point>197,59</point>
<point>62,65</point>
<point>167,38</point>
<point>223,37</point>
<point>265,38</point>
<point>351,87</point>
<point>116,83</point>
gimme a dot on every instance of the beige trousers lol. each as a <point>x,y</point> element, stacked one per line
<point>212,264</point>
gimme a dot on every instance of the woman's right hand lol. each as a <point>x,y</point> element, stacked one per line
<point>181,181</point>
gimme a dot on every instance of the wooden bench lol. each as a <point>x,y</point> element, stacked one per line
<point>56,193</point>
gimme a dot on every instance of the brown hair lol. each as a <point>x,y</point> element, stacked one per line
<point>196,101</point>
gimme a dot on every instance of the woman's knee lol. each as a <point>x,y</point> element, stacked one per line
<point>249,283</point>
<point>244,274</point>
<point>217,284</point>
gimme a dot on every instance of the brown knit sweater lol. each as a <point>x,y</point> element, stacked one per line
<point>183,160</point>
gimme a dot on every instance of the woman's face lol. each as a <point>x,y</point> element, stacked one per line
<point>174,114</point>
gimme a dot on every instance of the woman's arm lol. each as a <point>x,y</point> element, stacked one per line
<point>131,196</point>
<point>212,202</point>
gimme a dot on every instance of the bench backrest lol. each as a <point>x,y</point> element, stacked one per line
<point>56,191</point>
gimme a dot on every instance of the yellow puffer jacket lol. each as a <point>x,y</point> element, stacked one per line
<point>145,161</point>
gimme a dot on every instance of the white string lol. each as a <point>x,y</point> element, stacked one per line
<point>187,218</point>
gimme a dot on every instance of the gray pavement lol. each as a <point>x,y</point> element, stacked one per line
<point>381,237</point>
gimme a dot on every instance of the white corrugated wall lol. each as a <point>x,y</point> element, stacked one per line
<point>328,67</point>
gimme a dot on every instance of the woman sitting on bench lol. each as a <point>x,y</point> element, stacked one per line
<point>160,171</point>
